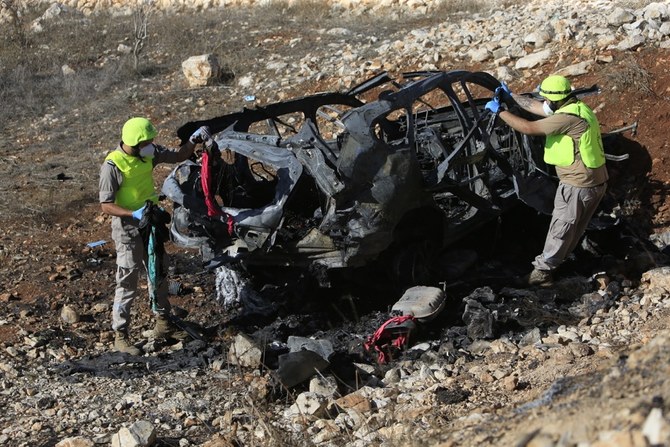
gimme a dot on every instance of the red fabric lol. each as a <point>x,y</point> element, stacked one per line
<point>384,338</point>
<point>231,225</point>
<point>206,179</point>
<point>213,209</point>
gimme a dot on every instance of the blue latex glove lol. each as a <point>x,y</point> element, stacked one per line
<point>200,135</point>
<point>503,91</point>
<point>137,214</point>
<point>493,105</point>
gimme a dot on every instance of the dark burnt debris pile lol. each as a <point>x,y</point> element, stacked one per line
<point>306,342</point>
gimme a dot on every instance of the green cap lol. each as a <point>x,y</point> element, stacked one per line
<point>137,130</point>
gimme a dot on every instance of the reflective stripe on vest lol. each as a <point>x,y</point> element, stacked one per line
<point>559,149</point>
<point>138,184</point>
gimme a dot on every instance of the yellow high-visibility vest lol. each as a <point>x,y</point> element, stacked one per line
<point>138,184</point>
<point>559,149</point>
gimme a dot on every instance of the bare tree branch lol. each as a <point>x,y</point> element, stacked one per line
<point>140,34</point>
<point>12,9</point>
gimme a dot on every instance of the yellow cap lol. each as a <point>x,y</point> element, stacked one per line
<point>137,130</point>
<point>555,88</point>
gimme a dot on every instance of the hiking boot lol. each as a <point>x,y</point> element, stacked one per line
<point>122,344</point>
<point>164,329</point>
<point>541,278</point>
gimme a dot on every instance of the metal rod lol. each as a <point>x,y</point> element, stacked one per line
<point>631,127</point>
<point>617,157</point>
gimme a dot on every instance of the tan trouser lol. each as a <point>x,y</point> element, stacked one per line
<point>573,209</point>
<point>130,260</point>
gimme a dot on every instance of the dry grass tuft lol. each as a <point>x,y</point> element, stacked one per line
<point>630,76</point>
<point>449,7</point>
<point>462,6</point>
<point>32,80</point>
<point>301,11</point>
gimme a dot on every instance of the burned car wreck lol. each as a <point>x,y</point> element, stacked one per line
<point>389,172</point>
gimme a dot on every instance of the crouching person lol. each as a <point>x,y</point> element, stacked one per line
<point>126,184</point>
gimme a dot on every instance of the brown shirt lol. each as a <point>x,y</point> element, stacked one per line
<point>577,174</point>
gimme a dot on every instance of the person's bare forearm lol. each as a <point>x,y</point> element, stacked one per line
<point>529,104</point>
<point>520,124</point>
<point>115,210</point>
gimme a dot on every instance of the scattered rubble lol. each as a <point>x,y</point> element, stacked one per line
<point>450,367</point>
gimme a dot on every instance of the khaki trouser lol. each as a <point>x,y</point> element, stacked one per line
<point>130,260</point>
<point>573,209</point>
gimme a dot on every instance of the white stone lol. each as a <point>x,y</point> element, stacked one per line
<point>55,10</point>
<point>202,70</point>
<point>244,352</point>
<point>339,32</point>
<point>506,73</point>
<point>534,59</point>
<point>328,431</point>
<point>277,65</point>
<point>658,278</point>
<point>655,11</point>
<point>631,43</point>
<point>68,313</point>
<point>77,441</point>
<point>245,81</point>
<point>538,38</point>
<point>619,16</point>
<point>313,404</point>
<point>479,54</point>
<point>324,386</point>
<point>140,434</point>
<point>576,69</point>
<point>655,428</point>
<point>392,376</point>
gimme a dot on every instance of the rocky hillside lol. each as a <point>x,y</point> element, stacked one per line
<point>583,363</point>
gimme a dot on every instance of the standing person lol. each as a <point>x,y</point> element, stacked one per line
<point>574,145</point>
<point>126,183</point>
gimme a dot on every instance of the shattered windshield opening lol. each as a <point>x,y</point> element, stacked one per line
<point>245,182</point>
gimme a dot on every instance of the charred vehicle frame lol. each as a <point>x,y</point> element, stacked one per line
<point>389,171</point>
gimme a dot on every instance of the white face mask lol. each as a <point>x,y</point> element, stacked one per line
<point>547,109</point>
<point>147,150</point>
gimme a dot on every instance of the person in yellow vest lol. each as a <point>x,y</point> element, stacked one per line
<point>574,145</point>
<point>126,184</point>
